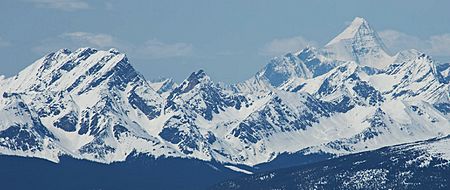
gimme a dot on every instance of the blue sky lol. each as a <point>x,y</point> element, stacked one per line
<point>230,39</point>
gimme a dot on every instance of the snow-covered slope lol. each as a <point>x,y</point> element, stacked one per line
<point>360,43</point>
<point>163,86</point>
<point>92,102</point>
<point>418,165</point>
<point>347,97</point>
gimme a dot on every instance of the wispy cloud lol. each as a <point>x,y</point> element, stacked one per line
<point>91,39</point>
<point>65,5</point>
<point>4,43</point>
<point>440,44</point>
<point>157,49</point>
<point>151,49</point>
<point>74,40</point>
<point>284,45</point>
<point>435,45</point>
<point>397,41</point>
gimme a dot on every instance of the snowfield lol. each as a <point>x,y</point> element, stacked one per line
<point>347,97</point>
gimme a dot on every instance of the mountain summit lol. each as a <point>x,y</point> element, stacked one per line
<point>357,25</point>
<point>359,42</point>
<point>92,104</point>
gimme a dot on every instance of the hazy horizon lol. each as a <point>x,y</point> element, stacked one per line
<point>230,40</point>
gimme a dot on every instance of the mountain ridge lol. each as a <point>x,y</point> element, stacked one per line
<point>92,104</point>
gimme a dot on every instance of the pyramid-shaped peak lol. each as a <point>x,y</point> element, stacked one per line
<point>200,74</point>
<point>358,21</point>
<point>359,25</point>
<point>198,77</point>
<point>359,42</point>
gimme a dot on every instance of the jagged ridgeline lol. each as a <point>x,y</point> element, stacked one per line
<point>350,96</point>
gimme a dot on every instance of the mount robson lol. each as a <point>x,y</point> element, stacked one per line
<point>349,115</point>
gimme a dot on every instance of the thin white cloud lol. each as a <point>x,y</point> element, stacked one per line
<point>65,5</point>
<point>91,39</point>
<point>152,49</point>
<point>157,49</point>
<point>397,41</point>
<point>74,40</point>
<point>438,45</point>
<point>4,43</point>
<point>285,45</point>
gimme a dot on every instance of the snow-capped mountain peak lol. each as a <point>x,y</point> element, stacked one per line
<point>78,71</point>
<point>356,26</point>
<point>86,99</point>
<point>198,77</point>
<point>195,79</point>
<point>406,55</point>
<point>163,86</point>
<point>282,69</point>
<point>359,42</point>
<point>94,105</point>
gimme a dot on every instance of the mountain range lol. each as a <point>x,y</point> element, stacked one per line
<point>350,96</point>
